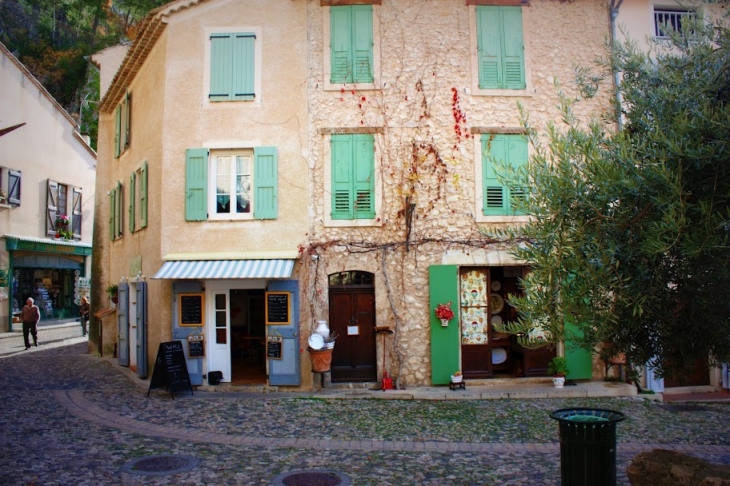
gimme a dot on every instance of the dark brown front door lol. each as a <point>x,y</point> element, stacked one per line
<point>352,317</point>
<point>700,376</point>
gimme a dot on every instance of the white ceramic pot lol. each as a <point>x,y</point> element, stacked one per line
<point>559,381</point>
<point>322,329</point>
<point>444,322</point>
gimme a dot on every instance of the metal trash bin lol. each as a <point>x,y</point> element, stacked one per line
<point>587,446</point>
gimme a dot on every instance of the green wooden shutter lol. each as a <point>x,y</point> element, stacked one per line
<point>117,130</point>
<point>143,196</point>
<point>493,192</point>
<point>443,286</point>
<point>362,34</point>
<point>265,175</point>
<point>364,172</point>
<point>341,45</point>
<point>514,50</point>
<point>489,47</point>
<point>127,129</point>
<point>118,217</point>
<point>196,184</point>
<point>221,68</point>
<point>342,177</point>
<point>243,67</point>
<point>132,190</point>
<point>516,157</point>
<point>51,207</point>
<point>112,212</point>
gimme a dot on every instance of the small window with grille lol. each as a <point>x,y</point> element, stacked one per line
<point>667,20</point>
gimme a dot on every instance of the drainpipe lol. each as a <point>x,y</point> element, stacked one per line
<point>614,5</point>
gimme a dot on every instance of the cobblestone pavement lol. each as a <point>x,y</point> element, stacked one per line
<point>70,418</point>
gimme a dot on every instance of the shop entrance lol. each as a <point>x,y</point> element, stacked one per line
<point>51,288</point>
<point>248,336</point>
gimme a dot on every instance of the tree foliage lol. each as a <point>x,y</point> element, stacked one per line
<point>629,236</point>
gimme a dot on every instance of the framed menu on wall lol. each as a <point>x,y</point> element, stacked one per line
<point>277,308</point>
<point>191,309</point>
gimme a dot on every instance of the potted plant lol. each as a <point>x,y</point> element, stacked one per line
<point>444,313</point>
<point>558,369</point>
<point>113,291</point>
<point>457,377</point>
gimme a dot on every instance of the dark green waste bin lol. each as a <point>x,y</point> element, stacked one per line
<point>587,446</point>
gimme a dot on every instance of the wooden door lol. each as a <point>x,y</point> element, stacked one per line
<point>352,317</point>
<point>476,348</point>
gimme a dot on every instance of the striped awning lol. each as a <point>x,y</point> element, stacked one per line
<point>225,269</point>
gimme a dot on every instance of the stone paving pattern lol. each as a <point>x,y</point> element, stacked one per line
<point>70,418</point>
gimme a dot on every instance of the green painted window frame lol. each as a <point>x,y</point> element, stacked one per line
<point>497,195</point>
<point>232,66</point>
<point>351,44</point>
<point>500,47</point>
<point>353,176</point>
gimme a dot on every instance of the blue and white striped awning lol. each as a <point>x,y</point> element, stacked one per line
<point>225,269</point>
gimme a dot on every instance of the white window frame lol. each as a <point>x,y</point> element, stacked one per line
<point>327,57</point>
<point>327,196</point>
<point>212,187</point>
<point>236,105</point>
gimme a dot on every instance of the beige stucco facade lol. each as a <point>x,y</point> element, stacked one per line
<point>45,147</point>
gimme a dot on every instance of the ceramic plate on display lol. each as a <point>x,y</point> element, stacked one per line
<point>497,303</point>
<point>499,355</point>
<point>316,341</point>
<point>496,320</point>
<point>496,285</point>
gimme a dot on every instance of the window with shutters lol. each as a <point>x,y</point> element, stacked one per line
<point>116,212</point>
<point>9,186</point>
<point>351,47</point>
<point>500,50</point>
<point>234,70</point>
<point>667,20</point>
<point>352,179</point>
<point>138,199</point>
<point>63,200</point>
<point>231,184</point>
<point>497,195</point>
<point>123,125</point>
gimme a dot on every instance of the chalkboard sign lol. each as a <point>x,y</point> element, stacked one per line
<point>196,346</point>
<point>191,309</point>
<point>277,307</point>
<point>171,370</point>
<point>273,347</point>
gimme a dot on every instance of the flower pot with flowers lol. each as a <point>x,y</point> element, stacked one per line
<point>62,230</point>
<point>444,313</point>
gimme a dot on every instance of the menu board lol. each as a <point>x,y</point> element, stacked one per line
<point>196,346</point>
<point>171,370</point>
<point>277,308</point>
<point>191,309</point>
<point>273,347</point>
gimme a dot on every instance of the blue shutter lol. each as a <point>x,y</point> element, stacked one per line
<point>196,184</point>
<point>514,50</point>
<point>265,174</point>
<point>14,187</point>
<point>76,213</point>
<point>123,324</point>
<point>362,28</point>
<point>341,45</point>
<point>51,207</point>
<point>489,47</point>
<point>364,171</point>
<point>132,190</point>
<point>342,177</point>
<point>143,196</point>
<point>141,330</point>
<point>493,149</point>
<point>221,67</point>
<point>243,67</point>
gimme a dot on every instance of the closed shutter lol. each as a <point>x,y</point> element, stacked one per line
<point>489,47</point>
<point>265,174</point>
<point>342,180</point>
<point>14,187</point>
<point>117,130</point>
<point>514,50</point>
<point>364,171</point>
<point>221,67</point>
<point>443,287</point>
<point>517,158</point>
<point>341,45</point>
<point>243,67</point>
<point>493,149</point>
<point>196,184</point>
<point>51,207</point>
<point>76,213</point>
<point>143,196</point>
<point>132,190</point>
<point>362,32</point>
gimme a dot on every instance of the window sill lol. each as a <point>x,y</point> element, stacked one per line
<point>503,219</point>
<point>5,205</point>
<point>353,223</point>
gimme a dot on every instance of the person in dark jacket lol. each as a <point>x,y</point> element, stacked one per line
<point>30,315</point>
<point>84,313</point>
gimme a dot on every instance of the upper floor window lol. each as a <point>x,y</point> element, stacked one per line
<point>231,184</point>
<point>122,125</point>
<point>500,47</point>
<point>63,210</point>
<point>232,66</point>
<point>353,176</point>
<point>667,20</point>
<point>498,195</point>
<point>116,203</point>
<point>351,44</point>
<point>138,199</point>
<point>9,186</point>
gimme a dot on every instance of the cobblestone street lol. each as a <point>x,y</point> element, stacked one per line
<point>71,418</point>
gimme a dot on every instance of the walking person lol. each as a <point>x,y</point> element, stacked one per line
<point>30,315</point>
<point>84,313</point>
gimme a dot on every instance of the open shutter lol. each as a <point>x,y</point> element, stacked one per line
<point>514,51</point>
<point>14,187</point>
<point>265,183</point>
<point>123,324</point>
<point>143,196</point>
<point>196,184</point>
<point>76,213</point>
<point>493,149</point>
<point>141,329</point>
<point>119,216</point>
<point>364,171</point>
<point>221,68</point>
<point>362,28</point>
<point>516,157</point>
<point>117,130</point>
<point>112,212</point>
<point>443,286</point>
<point>243,67</point>
<point>342,180</point>
<point>132,190</point>
<point>127,122</point>
<point>489,47</point>
<point>341,45</point>
<point>51,207</point>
